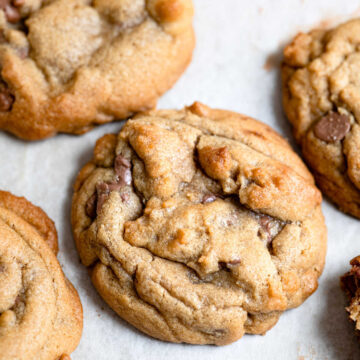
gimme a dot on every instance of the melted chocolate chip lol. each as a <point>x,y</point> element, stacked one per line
<point>122,168</point>
<point>269,227</point>
<point>90,206</point>
<point>332,127</point>
<point>123,177</point>
<point>11,9</point>
<point>208,198</point>
<point>103,192</point>
<point>265,222</point>
<point>12,14</point>
<point>235,261</point>
<point>6,98</point>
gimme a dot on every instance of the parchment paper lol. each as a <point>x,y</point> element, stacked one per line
<point>235,66</point>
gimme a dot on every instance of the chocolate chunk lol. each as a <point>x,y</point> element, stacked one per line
<point>122,168</point>
<point>90,206</point>
<point>4,4</point>
<point>11,10</point>
<point>12,14</point>
<point>269,227</point>
<point>332,127</point>
<point>208,198</point>
<point>235,261</point>
<point>6,98</point>
<point>265,223</point>
<point>103,192</point>
<point>114,186</point>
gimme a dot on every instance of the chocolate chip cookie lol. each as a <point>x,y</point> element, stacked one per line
<point>199,225</point>
<point>68,65</point>
<point>350,283</point>
<point>321,93</point>
<point>40,311</point>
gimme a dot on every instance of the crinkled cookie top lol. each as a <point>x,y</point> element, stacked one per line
<point>40,311</point>
<point>67,65</point>
<point>321,92</point>
<point>199,225</point>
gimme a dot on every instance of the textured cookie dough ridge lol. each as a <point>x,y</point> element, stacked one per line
<point>253,319</point>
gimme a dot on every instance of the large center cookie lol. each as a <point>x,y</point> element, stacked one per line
<point>199,225</point>
<point>67,65</point>
<point>321,92</point>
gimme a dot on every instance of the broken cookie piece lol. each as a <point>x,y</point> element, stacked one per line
<point>350,283</point>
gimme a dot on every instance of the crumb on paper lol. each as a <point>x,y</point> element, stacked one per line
<point>271,62</point>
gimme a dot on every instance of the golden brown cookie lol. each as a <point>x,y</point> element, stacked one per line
<point>68,65</point>
<point>351,285</point>
<point>321,95</point>
<point>199,225</point>
<point>33,215</point>
<point>40,310</point>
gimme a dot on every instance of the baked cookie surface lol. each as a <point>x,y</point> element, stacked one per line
<point>68,65</point>
<point>40,311</point>
<point>350,283</point>
<point>199,225</point>
<point>321,95</point>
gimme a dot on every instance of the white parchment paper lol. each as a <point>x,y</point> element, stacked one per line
<point>235,66</point>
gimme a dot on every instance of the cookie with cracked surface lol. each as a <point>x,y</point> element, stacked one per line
<point>199,225</point>
<point>321,93</point>
<point>68,65</point>
<point>351,285</point>
<point>40,310</point>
